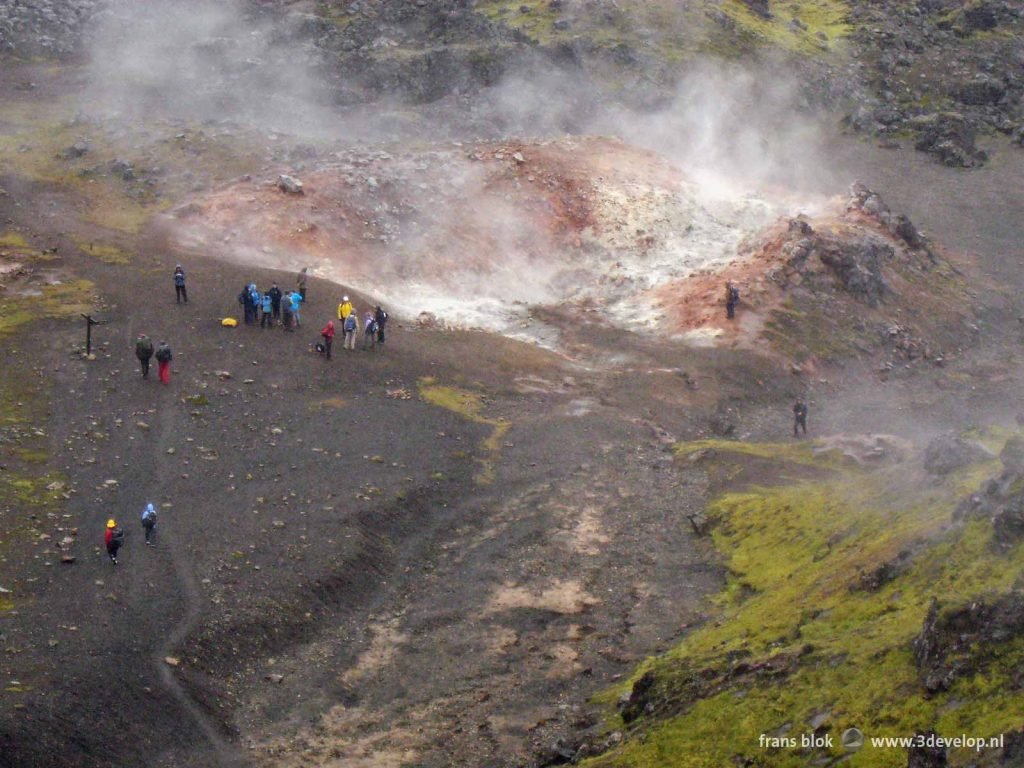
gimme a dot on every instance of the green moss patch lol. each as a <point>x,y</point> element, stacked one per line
<point>105,252</point>
<point>803,633</point>
<point>469,405</point>
<point>807,27</point>
<point>60,300</point>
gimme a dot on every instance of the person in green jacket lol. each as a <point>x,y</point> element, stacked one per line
<point>144,351</point>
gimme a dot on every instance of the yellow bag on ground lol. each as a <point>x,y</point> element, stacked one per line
<point>229,322</point>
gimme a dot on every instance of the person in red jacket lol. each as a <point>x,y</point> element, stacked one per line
<point>328,333</point>
<point>163,359</point>
<point>113,539</point>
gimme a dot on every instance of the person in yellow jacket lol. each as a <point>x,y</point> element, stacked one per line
<point>344,309</point>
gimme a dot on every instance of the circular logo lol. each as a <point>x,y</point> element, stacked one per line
<point>852,739</point>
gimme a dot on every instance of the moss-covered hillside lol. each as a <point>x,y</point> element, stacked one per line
<point>832,574</point>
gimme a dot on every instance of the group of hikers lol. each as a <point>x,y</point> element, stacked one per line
<point>373,328</point>
<point>113,537</point>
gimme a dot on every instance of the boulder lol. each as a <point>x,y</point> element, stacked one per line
<point>290,185</point>
<point>947,453</point>
<point>949,136</point>
<point>956,642</point>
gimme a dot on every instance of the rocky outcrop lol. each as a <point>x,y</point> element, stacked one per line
<point>1000,499</point>
<point>948,453</point>
<point>45,27</point>
<point>924,756</point>
<point>957,642</point>
<point>950,137</point>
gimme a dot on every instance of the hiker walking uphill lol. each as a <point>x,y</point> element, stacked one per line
<point>799,416</point>
<point>163,359</point>
<point>144,351</point>
<point>327,332</point>
<point>300,282</point>
<point>381,318</point>
<point>149,523</point>
<point>275,300</point>
<point>350,326</point>
<point>180,294</point>
<point>113,538</point>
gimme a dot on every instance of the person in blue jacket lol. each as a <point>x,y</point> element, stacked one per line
<point>296,299</point>
<point>149,523</point>
<point>267,320</point>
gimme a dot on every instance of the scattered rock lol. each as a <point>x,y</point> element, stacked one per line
<point>172,661</point>
<point>290,185</point>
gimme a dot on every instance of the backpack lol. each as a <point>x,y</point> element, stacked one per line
<point>163,354</point>
<point>350,323</point>
<point>734,294</point>
<point>144,348</point>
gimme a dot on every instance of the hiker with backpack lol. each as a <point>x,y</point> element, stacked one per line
<point>799,416</point>
<point>163,360</point>
<point>180,294</point>
<point>300,282</point>
<point>381,317</point>
<point>144,351</point>
<point>113,538</point>
<point>349,327</point>
<point>327,332</point>
<point>149,523</point>
<point>369,331</point>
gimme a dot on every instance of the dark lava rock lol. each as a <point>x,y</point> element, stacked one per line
<point>1013,749</point>
<point>639,700</point>
<point>949,136</point>
<point>760,7</point>
<point>947,453</point>
<point>926,757</point>
<point>982,90</point>
<point>956,642</point>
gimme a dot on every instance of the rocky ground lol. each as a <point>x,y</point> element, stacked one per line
<point>436,553</point>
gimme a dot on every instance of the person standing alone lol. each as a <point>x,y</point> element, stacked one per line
<point>300,282</point>
<point>163,360</point>
<point>144,351</point>
<point>799,416</point>
<point>180,294</point>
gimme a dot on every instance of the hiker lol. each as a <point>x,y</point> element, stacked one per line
<point>350,326</point>
<point>144,351</point>
<point>369,331</point>
<point>300,282</point>
<point>113,538</point>
<point>163,360</point>
<point>180,294</point>
<point>381,318</point>
<point>149,523</point>
<point>732,298</point>
<point>286,314</point>
<point>328,335</point>
<point>267,305</point>
<point>799,416</point>
<point>245,299</point>
<point>296,300</point>
<point>275,300</point>
<point>344,309</point>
